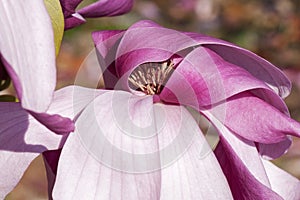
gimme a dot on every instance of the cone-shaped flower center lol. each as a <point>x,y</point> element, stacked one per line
<point>150,78</point>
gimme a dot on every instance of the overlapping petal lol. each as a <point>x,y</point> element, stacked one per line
<point>159,45</point>
<point>23,137</point>
<point>249,117</point>
<point>33,53</point>
<point>281,182</point>
<point>256,65</point>
<point>97,9</point>
<point>243,184</point>
<point>203,78</point>
<point>242,165</point>
<point>255,122</point>
<point>106,45</point>
<point>249,176</point>
<point>96,148</point>
<point>238,91</point>
<point>115,159</point>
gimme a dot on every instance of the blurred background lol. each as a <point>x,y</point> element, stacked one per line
<point>270,28</point>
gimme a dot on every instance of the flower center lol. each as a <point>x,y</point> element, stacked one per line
<point>150,78</point>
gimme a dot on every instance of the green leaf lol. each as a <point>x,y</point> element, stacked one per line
<point>57,19</point>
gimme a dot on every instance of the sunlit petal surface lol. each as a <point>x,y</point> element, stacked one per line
<point>28,53</point>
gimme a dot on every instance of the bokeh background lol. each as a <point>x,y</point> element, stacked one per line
<point>270,28</point>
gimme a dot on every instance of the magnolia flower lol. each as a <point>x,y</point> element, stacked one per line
<point>27,57</point>
<point>137,140</point>
<point>97,9</point>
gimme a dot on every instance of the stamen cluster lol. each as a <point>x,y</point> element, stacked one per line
<point>150,78</point>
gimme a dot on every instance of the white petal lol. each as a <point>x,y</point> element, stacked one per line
<point>28,52</point>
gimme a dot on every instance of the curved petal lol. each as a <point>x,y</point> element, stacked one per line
<point>242,165</point>
<point>97,9</point>
<point>22,138</point>
<point>205,76</point>
<point>283,183</point>
<point>256,65</point>
<point>106,43</point>
<point>51,162</point>
<point>99,153</point>
<point>69,6</point>
<point>159,45</point>
<point>106,8</point>
<point>72,18</point>
<point>30,54</point>
<point>244,185</point>
<point>120,145</point>
<point>72,101</point>
<point>196,174</point>
<point>273,151</point>
<point>254,119</point>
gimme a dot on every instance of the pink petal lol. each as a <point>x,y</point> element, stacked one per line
<point>51,162</point>
<point>242,165</point>
<point>113,153</point>
<point>74,20</point>
<point>99,149</point>
<point>195,174</point>
<point>159,45</point>
<point>283,183</point>
<point>97,9</point>
<point>273,151</point>
<point>22,137</point>
<point>257,66</point>
<point>254,119</point>
<point>245,150</point>
<point>106,43</point>
<point>69,6</point>
<point>72,100</point>
<point>203,78</point>
<point>244,185</point>
<point>30,54</point>
<point>106,8</point>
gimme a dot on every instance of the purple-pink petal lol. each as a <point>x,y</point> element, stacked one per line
<point>97,9</point>
<point>256,65</point>
<point>72,100</point>
<point>244,185</point>
<point>106,8</point>
<point>135,49</point>
<point>106,44</point>
<point>51,162</point>
<point>205,77</point>
<point>22,138</point>
<point>248,175</point>
<point>275,150</point>
<point>33,53</point>
<point>256,120</point>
